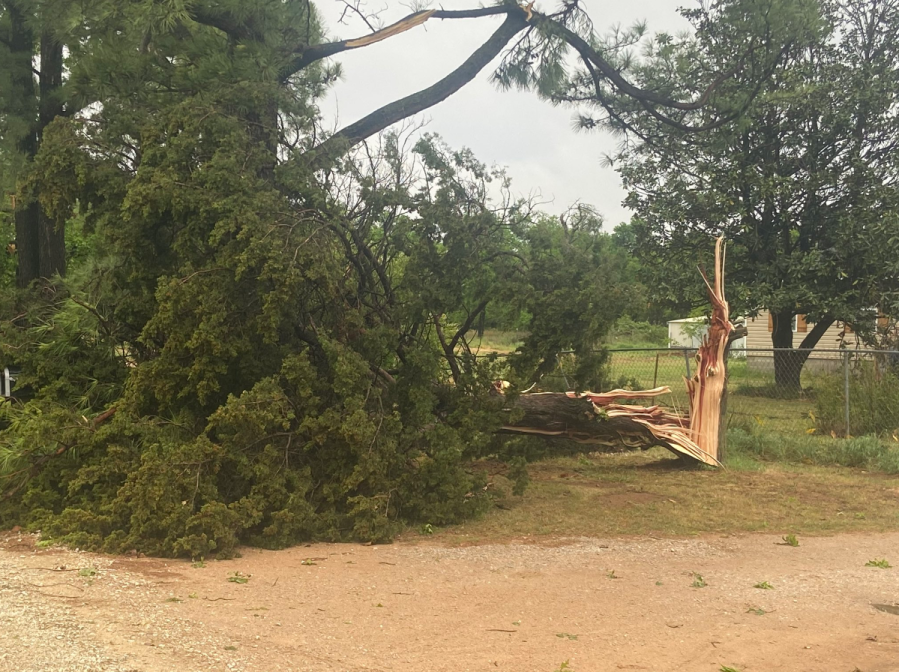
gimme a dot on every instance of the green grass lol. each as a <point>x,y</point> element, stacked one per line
<point>865,452</point>
<point>626,333</point>
<point>881,563</point>
<point>643,493</point>
<point>752,395</point>
<point>792,416</point>
<point>874,402</point>
<point>498,341</point>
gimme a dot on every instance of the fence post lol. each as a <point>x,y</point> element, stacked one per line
<point>846,390</point>
<point>687,363</point>
<point>562,371</point>
<point>655,375</point>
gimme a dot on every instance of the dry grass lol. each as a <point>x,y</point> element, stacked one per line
<point>648,493</point>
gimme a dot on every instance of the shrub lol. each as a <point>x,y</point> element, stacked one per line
<point>281,463</point>
<point>864,451</point>
<point>873,402</point>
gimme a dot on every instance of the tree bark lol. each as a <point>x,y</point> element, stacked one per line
<point>737,333</point>
<point>708,386</point>
<point>576,419</point>
<point>24,100</point>
<point>789,362</point>
<point>40,240</point>
<point>51,232</point>
<point>787,367</point>
<point>600,421</point>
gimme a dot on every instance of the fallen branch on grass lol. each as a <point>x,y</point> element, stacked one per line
<point>601,421</point>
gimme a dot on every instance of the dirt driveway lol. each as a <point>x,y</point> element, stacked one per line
<point>582,605</point>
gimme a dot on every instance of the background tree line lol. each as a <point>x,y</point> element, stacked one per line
<point>803,186</point>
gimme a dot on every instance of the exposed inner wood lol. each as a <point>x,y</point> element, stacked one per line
<point>603,422</point>
<point>708,386</point>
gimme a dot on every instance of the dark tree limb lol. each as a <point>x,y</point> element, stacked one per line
<point>738,332</point>
<point>398,110</point>
<point>599,68</point>
<point>222,21</point>
<point>448,351</point>
<point>466,326</point>
<point>812,337</point>
<point>590,55</point>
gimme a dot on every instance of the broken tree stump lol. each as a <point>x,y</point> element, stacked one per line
<point>708,386</point>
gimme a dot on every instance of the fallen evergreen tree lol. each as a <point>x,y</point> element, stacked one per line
<point>262,336</point>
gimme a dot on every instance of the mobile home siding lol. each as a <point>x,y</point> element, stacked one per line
<point>759,334</point>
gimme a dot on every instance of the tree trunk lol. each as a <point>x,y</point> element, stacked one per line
<point>708,386</point>
<point>788,372</point>
<point>575,418</point>
<point>787,361</point>
<point>602,422</point>
<point>51,233</point>
<point>40,241</point>
<point>24,104</point>
<point>27,227</point>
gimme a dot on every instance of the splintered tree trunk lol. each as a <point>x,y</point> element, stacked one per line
<point>589,419</point>
<point>708,386</point>
<point>603,421</point>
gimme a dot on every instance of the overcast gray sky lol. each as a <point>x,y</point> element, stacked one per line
<point>544,155</point>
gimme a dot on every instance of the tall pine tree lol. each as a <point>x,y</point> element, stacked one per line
<point>32,63</point>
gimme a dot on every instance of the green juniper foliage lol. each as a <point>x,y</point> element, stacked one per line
<point>231,331</point>
<point>247,350</point>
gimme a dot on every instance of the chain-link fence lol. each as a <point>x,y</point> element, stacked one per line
<point>835,392</point>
